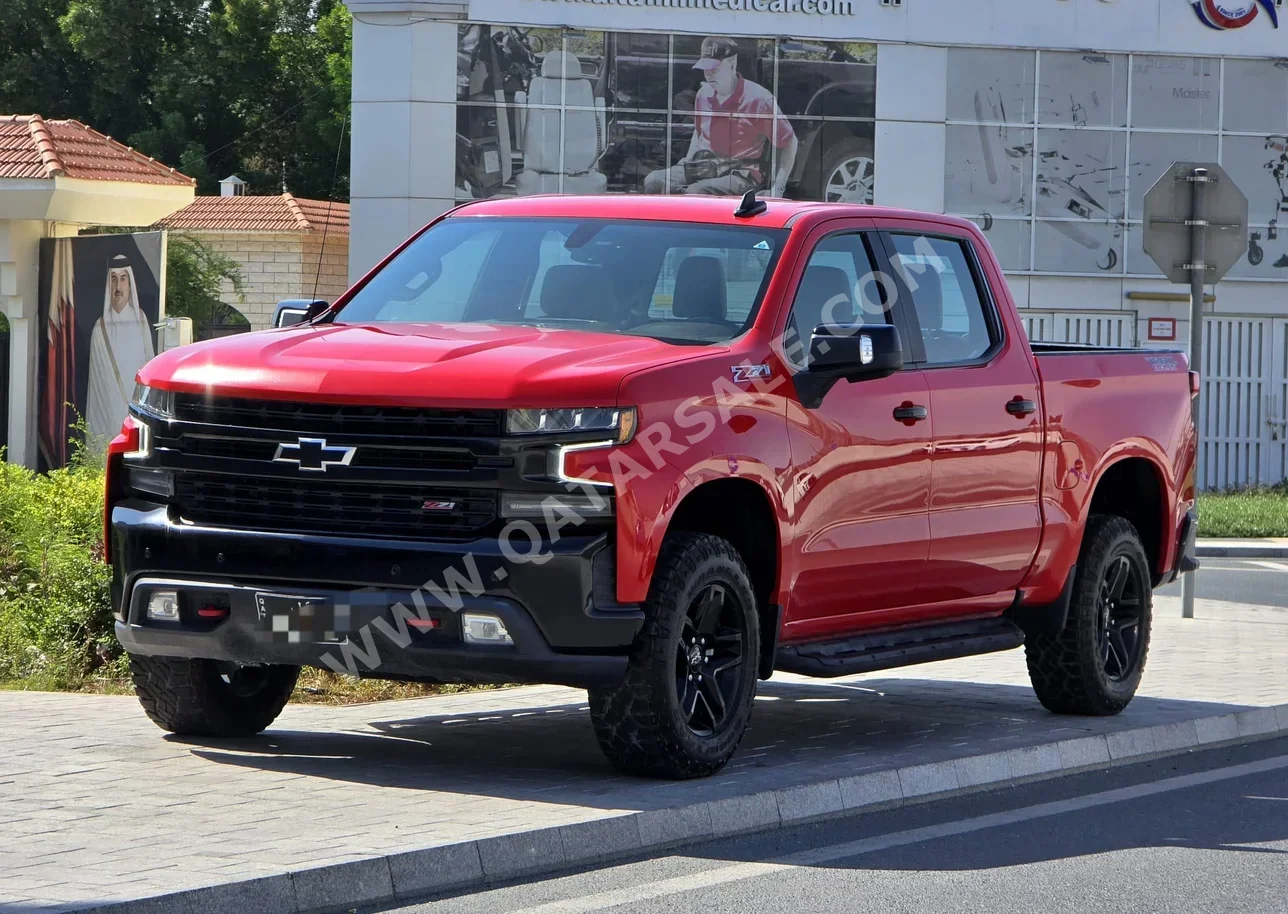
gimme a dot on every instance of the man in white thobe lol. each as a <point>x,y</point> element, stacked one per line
<point>120,345</point>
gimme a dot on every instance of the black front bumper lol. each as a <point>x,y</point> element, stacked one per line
<point>559,611</point>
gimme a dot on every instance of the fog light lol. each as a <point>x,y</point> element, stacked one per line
<point>556,504</point>
<point>163,606</point>
<point>479,628</point>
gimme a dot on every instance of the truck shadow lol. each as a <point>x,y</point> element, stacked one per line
<point>801,732</point>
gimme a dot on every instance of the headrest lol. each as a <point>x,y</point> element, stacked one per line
<point>929,297</point>
<point>561,65</point>
<point>825,293</point>
<point>700,289</point>
<point>578,291</point>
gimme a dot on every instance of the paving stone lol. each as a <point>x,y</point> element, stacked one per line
<point>435,868</point>
<point>681,823</point>
<point>875,788</point>
<point>1083,752</point>
<point>974,770</point>
<point>1217,729</point>
<point>509,855</point>
<point>343,885</point>
<point>809,800</point>
<point>732,815</point>
<point>1129,743</point>
<point>499,782</point>
<point>934,777</point>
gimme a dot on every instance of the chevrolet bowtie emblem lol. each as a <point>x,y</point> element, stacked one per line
<point>313,455</point>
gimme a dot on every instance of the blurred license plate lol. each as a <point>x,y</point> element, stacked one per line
<point>295,620</point>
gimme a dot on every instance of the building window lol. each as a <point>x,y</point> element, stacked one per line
<point>568,111</point>
<point>1051,153</point>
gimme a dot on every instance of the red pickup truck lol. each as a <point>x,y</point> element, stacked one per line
<point>657,448</point>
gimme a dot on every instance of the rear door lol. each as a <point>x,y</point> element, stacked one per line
<point>985,413</point>
<point>861,484</point>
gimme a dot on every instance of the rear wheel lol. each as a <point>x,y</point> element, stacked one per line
<point>194,697</point>
<point>1094,665</point>
<point>686,699</point>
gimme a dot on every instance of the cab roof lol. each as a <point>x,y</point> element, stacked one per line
<point>708,210</point>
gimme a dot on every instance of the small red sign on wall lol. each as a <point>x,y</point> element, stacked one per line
<point>1162,328</point>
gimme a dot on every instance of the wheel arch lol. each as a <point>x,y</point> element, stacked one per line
<point>740,511</point>
<point>1133,486</point>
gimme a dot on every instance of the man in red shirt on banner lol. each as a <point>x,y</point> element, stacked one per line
<point>733,119</point>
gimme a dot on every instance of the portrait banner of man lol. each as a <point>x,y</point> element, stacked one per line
<point>100,300</point>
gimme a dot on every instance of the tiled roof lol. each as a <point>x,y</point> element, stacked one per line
<point>32,147</point>
<point>247,213</point>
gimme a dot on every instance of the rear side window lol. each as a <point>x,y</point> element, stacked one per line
<point>945,297</point>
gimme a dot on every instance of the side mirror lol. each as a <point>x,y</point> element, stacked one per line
<point>297,311</point>
<point>856,352</point>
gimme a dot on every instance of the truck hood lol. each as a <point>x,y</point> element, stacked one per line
<point>470,365</point>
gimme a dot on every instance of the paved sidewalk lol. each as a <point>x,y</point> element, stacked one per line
<point>1269,547</point>
<point>338,806</point>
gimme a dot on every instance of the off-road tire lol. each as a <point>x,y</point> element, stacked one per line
<point>639,723</point>
<point>189,697</point>
<point>1067,671</point>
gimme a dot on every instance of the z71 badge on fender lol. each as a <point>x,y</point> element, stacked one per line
<point>745,373</point>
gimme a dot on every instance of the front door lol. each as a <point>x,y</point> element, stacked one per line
<point>985,408</point>
<point>862,484</point>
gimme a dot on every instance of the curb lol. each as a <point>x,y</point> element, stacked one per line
<point>412,875</point>
<point>1241,551</point>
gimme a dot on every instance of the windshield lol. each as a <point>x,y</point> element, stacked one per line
<point>676,282</point>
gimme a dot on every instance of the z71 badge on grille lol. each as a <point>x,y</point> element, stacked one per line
<point>438,506</point>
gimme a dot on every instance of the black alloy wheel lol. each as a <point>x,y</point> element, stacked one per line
<point>710,662</point>
<point>1118,636</point>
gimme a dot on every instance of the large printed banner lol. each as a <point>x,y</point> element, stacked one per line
<point>99,305</point>
<point>541,110</point>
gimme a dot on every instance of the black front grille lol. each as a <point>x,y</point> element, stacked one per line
<point>367,456</point>
<point>328,506</point>
<point>340,419</point>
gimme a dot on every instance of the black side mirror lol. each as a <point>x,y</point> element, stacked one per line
<point>854,352</point>
<point>297,311</point>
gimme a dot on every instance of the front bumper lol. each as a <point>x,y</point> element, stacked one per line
<point>559,611</point>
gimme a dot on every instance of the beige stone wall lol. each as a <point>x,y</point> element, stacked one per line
<point>333,279</point>
<point>277,265</point>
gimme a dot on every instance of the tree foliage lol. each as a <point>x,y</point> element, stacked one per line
<point>259,88</point>
<point>195,275</point>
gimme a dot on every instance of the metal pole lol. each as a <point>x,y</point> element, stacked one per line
<point>1199,181</point>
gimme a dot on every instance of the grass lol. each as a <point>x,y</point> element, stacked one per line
<point>1245,513</point>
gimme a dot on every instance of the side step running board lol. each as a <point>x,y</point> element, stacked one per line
<point>901,647</point>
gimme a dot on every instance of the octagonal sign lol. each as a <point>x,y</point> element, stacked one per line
<point>1168,208</point>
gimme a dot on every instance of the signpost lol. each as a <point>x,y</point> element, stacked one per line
<point>1196,229</point>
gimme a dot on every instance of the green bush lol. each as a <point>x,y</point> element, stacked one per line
<point>1245,512</point>
<point>55,608</point>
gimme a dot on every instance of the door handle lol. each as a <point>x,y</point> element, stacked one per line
<point>909,413</point>
<point>1021,407</point>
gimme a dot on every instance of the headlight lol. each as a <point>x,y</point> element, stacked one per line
<point>154,400</point>
<point>619,422</point>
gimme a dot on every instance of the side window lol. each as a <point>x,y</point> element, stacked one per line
<point>837,288</point>
<point>945,297</point>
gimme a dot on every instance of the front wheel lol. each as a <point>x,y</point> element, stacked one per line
<point>686,699</point>
<point>848,173</point>
<point>1094,665</point>
<point>193,697</point>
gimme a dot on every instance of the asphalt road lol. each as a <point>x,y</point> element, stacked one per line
<point>1203,832</point>
<point>1260,581</point>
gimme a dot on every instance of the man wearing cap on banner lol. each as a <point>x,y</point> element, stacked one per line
<point>733,119</point>
<point>120,345</point>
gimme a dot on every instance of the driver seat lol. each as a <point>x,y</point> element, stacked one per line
<point>561,93</point>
